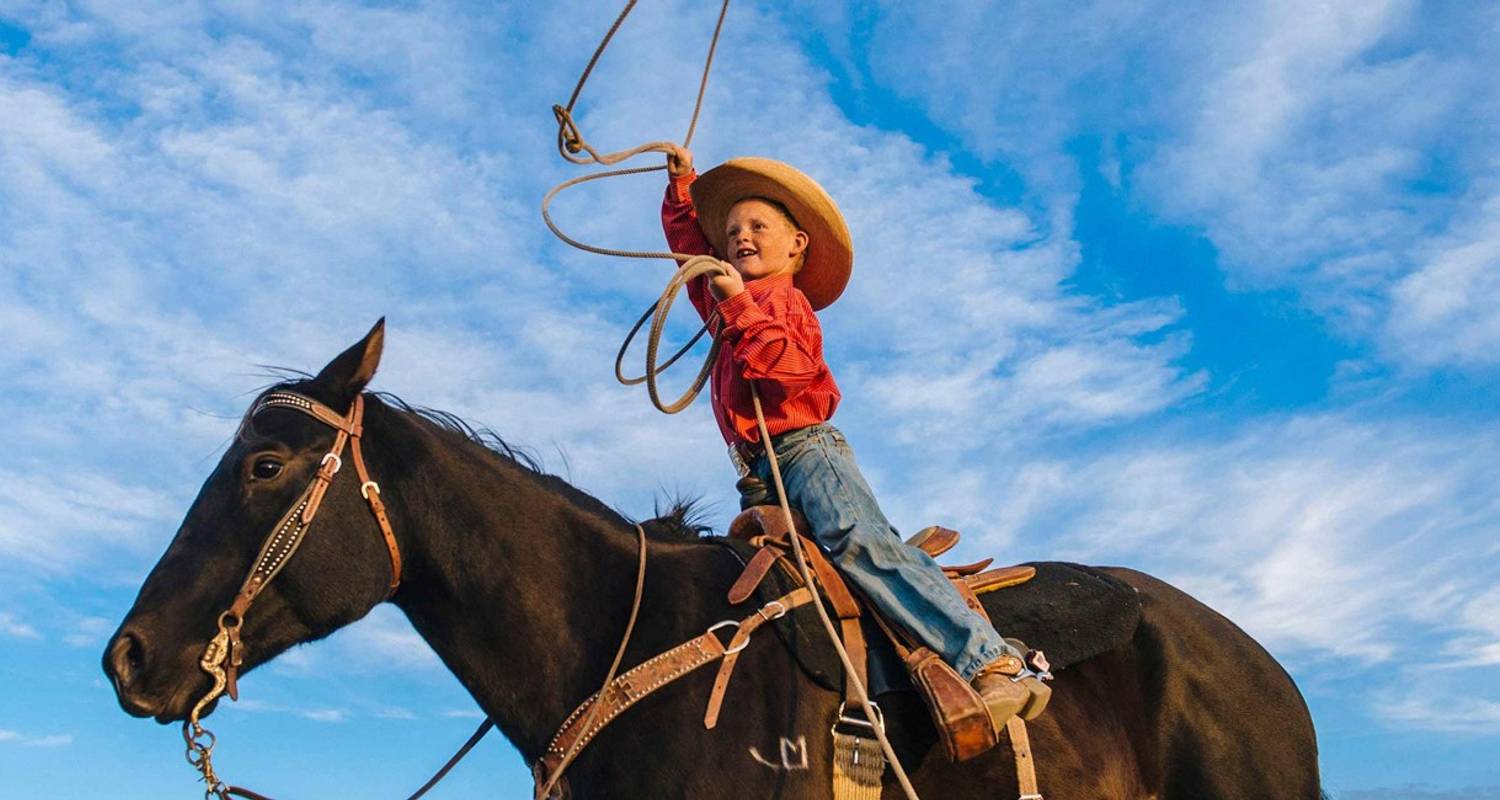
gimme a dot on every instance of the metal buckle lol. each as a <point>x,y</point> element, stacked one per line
<point>741,466</point>
<point>338,463</point>
<point>845,718</point>
<point>724,624</point>
<point>777,615</point>
<point>364,489</point>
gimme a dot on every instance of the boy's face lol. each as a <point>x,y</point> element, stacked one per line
<point>761,240</point>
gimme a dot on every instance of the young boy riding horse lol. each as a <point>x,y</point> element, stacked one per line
<point>791,254</point>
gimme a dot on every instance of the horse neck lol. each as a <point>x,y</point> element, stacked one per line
<point>520,583</point>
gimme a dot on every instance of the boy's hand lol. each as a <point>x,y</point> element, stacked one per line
<point>726,286</point>
<point>679,161</point>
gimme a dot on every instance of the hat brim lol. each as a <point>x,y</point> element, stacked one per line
<point>830,249</point>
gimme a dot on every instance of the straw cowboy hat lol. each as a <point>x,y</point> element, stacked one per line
<point>830,252</point>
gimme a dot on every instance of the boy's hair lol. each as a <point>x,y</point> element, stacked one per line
<point>786,214</point>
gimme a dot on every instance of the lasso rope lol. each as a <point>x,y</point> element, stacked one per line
<point>570,143</point>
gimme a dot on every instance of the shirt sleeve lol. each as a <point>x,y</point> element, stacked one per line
<point>679,221</point>
<point>782,351</point>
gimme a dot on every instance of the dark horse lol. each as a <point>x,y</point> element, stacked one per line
<point>522,585</point>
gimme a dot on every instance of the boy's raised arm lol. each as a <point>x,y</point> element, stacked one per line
<point>679,221</point>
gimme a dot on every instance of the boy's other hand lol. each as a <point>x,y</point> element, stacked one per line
<point>679,161</point>
<point>726,286</point>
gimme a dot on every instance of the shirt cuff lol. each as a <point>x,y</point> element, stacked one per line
<point>679,186</point>
<point>740,311</point>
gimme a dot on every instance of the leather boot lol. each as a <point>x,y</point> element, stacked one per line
<point>1009,689</point>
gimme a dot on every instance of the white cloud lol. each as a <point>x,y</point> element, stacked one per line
<point>1444,711</point>
<point>60,521</point>
<point>11,625</point>
<point>382,642</point>
<point>1320,535</point>
<point>90,632</point>
<point>1448,310</point>
<point>1329,150</point>
<point>325,714</point>
<point>48,740</point>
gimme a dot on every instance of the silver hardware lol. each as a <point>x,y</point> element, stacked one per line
<point>778,615</point>
<point>844,718</point>
<point>741,466</point>
<point>725,624</point>
<point>338,463</point>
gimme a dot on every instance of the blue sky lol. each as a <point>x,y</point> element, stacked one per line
<point>1210,291</point>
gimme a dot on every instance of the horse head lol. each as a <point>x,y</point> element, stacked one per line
<point>341,570</point>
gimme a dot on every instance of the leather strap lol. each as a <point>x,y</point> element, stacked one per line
<point>741,640</point>
<point>631,687</point>
<point>1020,744</point>
<point>773,545</point>
<point>370,491</point>
<point>753,574</point>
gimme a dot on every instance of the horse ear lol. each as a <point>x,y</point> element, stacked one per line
<point>348,374</point>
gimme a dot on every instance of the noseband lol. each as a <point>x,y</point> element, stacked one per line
<point>225,652</point>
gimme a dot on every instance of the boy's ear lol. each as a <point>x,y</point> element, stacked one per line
<point>799,242</point>
<point>347,374</point>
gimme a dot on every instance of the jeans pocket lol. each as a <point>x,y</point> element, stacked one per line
<point>836,437</point>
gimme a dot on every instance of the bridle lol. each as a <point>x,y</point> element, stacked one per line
<point>225,653</point>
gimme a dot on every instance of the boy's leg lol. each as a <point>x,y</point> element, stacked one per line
<point>904,583</point>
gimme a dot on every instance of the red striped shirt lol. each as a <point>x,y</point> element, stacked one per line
<point>771,336</point>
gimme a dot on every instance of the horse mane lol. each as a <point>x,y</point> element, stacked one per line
<point>685,518</point>
<point>446,421</point>
<point>683,521</point>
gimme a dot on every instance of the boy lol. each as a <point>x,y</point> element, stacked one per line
<point>791,254</point>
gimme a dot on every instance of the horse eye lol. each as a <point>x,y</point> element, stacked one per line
<point>266,469</point>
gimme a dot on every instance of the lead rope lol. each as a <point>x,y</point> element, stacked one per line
<point>570,143</point>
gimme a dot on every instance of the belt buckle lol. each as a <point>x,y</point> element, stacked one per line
<point>736,457</point>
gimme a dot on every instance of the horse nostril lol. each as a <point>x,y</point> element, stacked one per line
<point>127,654</point>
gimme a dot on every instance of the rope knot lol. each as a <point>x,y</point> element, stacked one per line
<point>567,130</point>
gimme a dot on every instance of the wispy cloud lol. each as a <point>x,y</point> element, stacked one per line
<point>1449,711</point>
<point>325,714</point>
<point>90,632</point>
<point>1319,535</point>
<point>11,625</point>
<point>58,522</point>
<point>25,740</point>
<point>1345,151</point>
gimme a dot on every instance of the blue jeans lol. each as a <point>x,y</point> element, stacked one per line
<point>904,583</point>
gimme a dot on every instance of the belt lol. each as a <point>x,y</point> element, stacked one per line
<point>743,454</point>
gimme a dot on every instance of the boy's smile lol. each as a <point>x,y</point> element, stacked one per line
<point>761,241</point>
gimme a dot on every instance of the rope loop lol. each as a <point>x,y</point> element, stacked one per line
<point>574,148</point>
